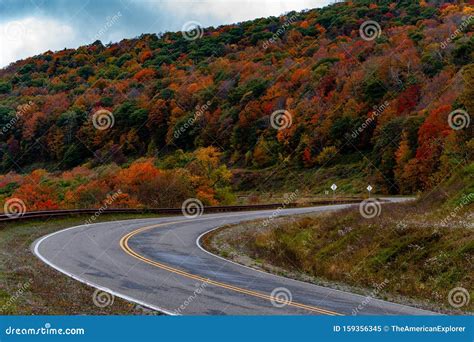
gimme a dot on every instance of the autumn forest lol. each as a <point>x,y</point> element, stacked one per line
<point>162,117</point>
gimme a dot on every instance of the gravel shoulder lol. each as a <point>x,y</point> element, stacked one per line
<point>232,243</point>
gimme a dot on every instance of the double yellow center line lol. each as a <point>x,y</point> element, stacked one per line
<point>125,246</point>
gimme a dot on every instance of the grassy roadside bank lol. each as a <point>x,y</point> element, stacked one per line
<point>29,287</point>
<point>254,185</point>
<point>418,252</point>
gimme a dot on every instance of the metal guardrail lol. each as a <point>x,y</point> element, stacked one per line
<point>211,209</point>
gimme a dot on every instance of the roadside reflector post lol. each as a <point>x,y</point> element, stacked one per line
<point>369,189</point>
<point>333,188</point>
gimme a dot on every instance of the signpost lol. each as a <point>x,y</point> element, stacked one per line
<point>369,189</point>
<point>333,188</point>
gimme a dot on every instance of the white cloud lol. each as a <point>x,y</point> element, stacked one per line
<point>218,12</point>
<point>31,36</point>
<point>236,11</point>
<point>65,25</point>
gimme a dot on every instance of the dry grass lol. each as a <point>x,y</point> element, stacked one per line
<point>421,254</point>
<point>29,287</point>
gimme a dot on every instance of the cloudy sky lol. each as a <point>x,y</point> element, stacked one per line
<point>30,27</point>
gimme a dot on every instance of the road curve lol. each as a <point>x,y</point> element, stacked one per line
<point>159,263</point>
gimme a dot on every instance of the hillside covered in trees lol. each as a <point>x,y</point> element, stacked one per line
<point>395,98</point>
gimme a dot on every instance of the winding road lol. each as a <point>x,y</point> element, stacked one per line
<point>159,263</point>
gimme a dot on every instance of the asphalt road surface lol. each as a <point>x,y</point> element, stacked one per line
<point>158,263</point>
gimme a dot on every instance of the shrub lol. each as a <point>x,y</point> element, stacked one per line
<point>326,155</point>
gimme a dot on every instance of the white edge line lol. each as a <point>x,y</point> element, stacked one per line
<point>89,283</point>
<point>37,244</point>
<point>198,243</point>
